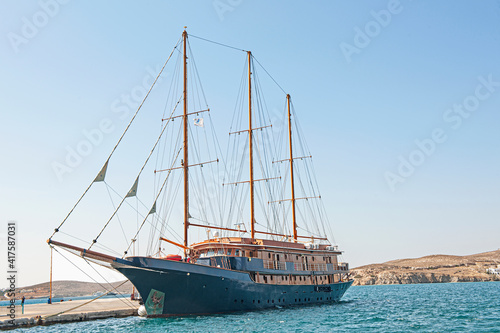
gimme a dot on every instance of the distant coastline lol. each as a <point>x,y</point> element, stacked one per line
<point>64,289</point>
<point>430,269</point>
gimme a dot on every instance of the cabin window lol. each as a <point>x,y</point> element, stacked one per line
<point>269,255</point>
<point>297,257</point>
<point>210,253</point>
<point>221,251</point>
<point>265,279</point>
<point>237,253</point>
<point>242,253</point>
<point>278,257</point>
<point>229,252</point>
<point>271,277</point>
<point>313,258</point>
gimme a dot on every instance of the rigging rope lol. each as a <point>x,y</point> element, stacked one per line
<point>81,270</point>
<point>125,197</point>
<point>123,134</point>
<point>269,75</point>
<point>211,41</point>
<point>156,198</point>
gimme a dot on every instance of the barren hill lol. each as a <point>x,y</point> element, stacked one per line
<point>71,289</point>
<point>429,269</point>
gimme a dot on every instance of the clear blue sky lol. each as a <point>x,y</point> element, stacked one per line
<point>368,80</point>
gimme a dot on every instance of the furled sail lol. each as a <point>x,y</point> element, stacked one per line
<point>133,190</point>
<point>102,173</point>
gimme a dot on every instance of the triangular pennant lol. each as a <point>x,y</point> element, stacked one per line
<point>153,209</point>
<point>102,173</point>
<point>133,190</point>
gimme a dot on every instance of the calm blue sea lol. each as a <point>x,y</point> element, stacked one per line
<point>451,307</point>
<point>59,299</point>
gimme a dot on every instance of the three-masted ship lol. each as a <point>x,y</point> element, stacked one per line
<point>233,269</point>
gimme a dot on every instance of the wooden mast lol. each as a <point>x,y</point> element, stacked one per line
<point>250,145</point>
<point>50,285</point>
<point>291,168</point>
<point>185,149</point>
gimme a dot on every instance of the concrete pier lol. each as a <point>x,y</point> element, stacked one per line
<point>65,312</point>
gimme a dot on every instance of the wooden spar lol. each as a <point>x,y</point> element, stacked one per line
<point>174,243</point>
<point>250,146</point>
<point>133,252</point>
<point>271,233</point>
<point>282,235</point>
<point>185,160</point>
<point>84,252</point>
<point>312,237</point>
<point>50,286</point>
<point>256,231</point>
<point>291,169</point>
<point>213,227</point>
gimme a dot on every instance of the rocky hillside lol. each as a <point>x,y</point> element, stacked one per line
<point>430,269</point>
<point>70,289</point>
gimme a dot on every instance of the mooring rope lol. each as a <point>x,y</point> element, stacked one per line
<point>78,306</point>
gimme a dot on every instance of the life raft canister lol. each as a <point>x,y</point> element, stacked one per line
<point>173,257</point>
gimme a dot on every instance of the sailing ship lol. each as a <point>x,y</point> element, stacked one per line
<point>233,269</point>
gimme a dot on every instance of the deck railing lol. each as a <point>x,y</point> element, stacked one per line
<point>280,265</point>
<point>270,264</point>
<point>300,266</point>
<point>318,267</point>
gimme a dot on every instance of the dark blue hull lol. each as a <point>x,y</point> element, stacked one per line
<point>171,288</point>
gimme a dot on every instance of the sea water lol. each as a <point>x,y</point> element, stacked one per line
<point>450,307</point>
<point>44,300</point>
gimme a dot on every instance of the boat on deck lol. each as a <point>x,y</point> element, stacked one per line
<point>232,269</point>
